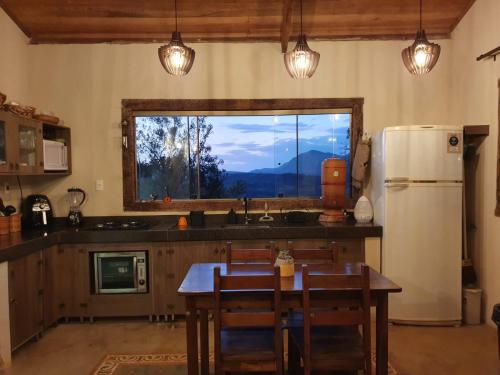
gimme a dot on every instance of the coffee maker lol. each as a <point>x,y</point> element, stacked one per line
<point>76,198</point>
<point>37,212</point>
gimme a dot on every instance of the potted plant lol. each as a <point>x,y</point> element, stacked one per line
<point>286,263</point>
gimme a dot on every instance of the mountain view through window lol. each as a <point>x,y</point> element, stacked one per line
<point>258,156</point>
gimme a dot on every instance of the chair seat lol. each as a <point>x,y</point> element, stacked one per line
<point>247,344</point>
<point>332,346</point>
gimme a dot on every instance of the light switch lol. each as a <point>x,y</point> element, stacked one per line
<point>99,185</point>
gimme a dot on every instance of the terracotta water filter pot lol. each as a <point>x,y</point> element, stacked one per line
<point>333,178</point>
<point>333,175</point>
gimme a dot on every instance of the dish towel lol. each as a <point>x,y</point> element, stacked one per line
<point>361,161</point>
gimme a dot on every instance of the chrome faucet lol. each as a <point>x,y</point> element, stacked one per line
<point>246,201</point>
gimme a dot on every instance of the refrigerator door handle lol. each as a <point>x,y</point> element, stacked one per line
<point>398,179</point>
<point>396,185</point>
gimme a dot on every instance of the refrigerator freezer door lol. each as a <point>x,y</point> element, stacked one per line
<point>423,153</point>
<point>422,251</point>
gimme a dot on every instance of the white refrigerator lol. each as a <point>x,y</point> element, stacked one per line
<point>417,198</point>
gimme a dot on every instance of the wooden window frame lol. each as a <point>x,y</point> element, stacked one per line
<point>131,106</point>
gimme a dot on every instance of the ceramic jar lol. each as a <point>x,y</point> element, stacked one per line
<point>363,211</point>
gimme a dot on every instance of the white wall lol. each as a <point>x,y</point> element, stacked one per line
<point>14,79</point>
<point>474,94</point>
<point>84,84</point>
<point>14,82</point>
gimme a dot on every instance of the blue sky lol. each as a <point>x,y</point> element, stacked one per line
<point>246,143</point>
<point>253,142</point>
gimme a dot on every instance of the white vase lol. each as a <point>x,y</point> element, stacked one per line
<point>363,211</point>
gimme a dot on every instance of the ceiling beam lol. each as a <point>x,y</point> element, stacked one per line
<point>286,24</point>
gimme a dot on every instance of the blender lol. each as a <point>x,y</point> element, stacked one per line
<point>76,198</point>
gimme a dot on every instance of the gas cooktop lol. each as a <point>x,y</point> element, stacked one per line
<point>120,225</point>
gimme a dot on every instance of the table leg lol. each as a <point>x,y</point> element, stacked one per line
<point>382,344</point>
<point>191,337</point>
<point>204,342</point>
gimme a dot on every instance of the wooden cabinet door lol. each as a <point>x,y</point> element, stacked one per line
<point>58,285</point>
<point>159,268</point>
<point>179,260</point>
<point>25,297</point>
<point>29,143</point>
<point>81,282</point>
<point>6,144</point>
<point>75,288</point>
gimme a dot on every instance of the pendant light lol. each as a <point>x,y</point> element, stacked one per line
<point>302,61</point>
<point>175,57</point>
<point>422,55</point>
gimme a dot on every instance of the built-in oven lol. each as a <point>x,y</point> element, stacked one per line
<point>120,272</point>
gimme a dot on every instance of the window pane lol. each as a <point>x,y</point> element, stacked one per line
<point>257,154</point>
<point>320,137</point>
<point>285,155</point>
<point>206,166</point>
<point>162,156</point>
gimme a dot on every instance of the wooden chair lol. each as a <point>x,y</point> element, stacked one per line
<point>330,338</point>
<point>310,256</point>
<point>266,255</point>
<point>248,340</point>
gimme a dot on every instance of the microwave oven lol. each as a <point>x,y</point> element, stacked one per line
<point>120,272</point>
<point>55,156</point>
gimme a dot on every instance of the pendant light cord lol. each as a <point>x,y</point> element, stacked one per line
<point>301,33</point>
<point>175,7</point>
<point>420,15</point>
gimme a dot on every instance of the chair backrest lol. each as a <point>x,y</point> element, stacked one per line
<point>324,304</point>
<point>235,305</point>
<point>265,255</point>
<point>328,255</point>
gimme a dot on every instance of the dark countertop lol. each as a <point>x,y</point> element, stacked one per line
<point>164,229</point>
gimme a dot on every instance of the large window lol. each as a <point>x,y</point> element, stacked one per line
<point>204,159</point>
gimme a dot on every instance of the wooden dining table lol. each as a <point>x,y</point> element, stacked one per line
<point>197,288</point>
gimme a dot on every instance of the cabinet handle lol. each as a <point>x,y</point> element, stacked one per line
<point>40,292</point>
<point>170,252</point>
<point>223,251</point>
<point>83,305</point>
<point>11,166</point>
<point>41,164</point>
<point>216,251</point>
<point>12,274</point>
<point>12,300</point>
<point>17,166</point>
<point>170,307</point>
<point>60,251</point>
<point>160,253</point>
<point>80,250</point>
<point>170,275</point>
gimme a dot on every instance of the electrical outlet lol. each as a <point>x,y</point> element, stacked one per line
<point>99,185</point>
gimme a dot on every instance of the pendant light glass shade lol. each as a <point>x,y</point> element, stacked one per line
<point>421,56</point>
<point>176,58</point>
<point>301,62</point>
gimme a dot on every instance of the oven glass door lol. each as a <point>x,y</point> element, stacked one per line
<point>117,273</point>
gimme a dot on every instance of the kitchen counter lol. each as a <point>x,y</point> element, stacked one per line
<point>17,245</point>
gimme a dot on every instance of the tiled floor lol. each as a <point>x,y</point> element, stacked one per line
<point>75,348</point>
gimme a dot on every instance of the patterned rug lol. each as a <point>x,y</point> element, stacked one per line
<point>154,364</point>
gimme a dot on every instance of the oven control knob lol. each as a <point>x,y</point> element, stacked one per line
<point>142,282</point>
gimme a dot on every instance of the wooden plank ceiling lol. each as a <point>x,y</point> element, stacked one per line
<point>97,21</point>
